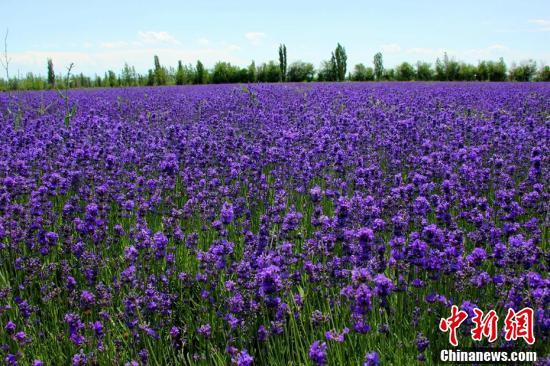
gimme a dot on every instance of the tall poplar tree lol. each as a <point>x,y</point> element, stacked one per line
<point>200,73</point>
<point>340,59</point>
<point>51,73</point>
<point>282,61</point>
<point>180,74</point>
<point>160,73</point>
<point>378,66</point>
<point>333,74</point>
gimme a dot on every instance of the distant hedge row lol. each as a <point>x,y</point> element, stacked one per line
<point>334,69</point>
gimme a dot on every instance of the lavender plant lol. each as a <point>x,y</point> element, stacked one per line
<point>311,224</point>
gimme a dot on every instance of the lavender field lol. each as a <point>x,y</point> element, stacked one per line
<point>274,224</point>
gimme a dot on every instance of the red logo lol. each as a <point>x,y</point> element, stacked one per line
<point>452,323</point>
<point>516,325</point>
<point>519,325</point>
<point>485,325</point>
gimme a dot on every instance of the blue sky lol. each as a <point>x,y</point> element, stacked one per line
<point>100,35</point>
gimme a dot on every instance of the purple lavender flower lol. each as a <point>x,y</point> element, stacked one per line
<point>158,207</point>
<point>383,285</point>
<point>11,359</point>
<point>87,298</point>
<point>372,359</point>
<point>269,279</point>
<point>227,213</point>
<point>10,327</point>
<point>97,327</point>
<point>333,335</point>
<point>205,330</point>
<point>160,241</point>
<point>318,353</point>
<point>143,355</point>
<point>79,359</point>
<point>262,333</point>
<point>243,359</point>
<point>422,342</point>
<point>20,337</point>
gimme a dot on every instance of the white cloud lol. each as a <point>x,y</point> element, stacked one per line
<point>103,59</point>
<point>391,48</point>
<point>203,41</point>
<point>498,47</point>
<point>157,37</point>
<point>425,53</point>
<point>232,47</point>
<point>543,25</point>
<point>114,45</point>
<point>468,55</point>
<point>255,38</point>
<point>489,52</point>
<point>111,55</point>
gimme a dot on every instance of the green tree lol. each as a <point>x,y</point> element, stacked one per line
<point>252,72</point>
<point>544,74</point>
<point>524,72</point>
<point>340,62</point>
<point>170,75</point>
<point>482,72</point>
<point>301,71</point>
<point>378,66</point>
<point>362,73</point>
<point>128,76</point>
<point>85,81</point>
<point>440,72</point>
<point>111,79</point>
<point>98,82</point>
<point>180,74</point>
<point>268,73</point>
<point>333,69</point>
<point>389,74</point>
<point>200,73</point>
<point>451,68</point>
<point>220,73</point>
<point>224,72</point>
<point>405,72</point>
<point>327,70</point>
<point>160,72</point>
<point>242,75</point>
<point>496,70</point>
<point>51,74</point>
<point>282,62</point>
<point>150,78</point>
<point>33,82</point>
<point>424,71</point>
<point>466,72</point>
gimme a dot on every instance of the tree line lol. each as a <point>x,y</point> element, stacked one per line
<point>333,69</point>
